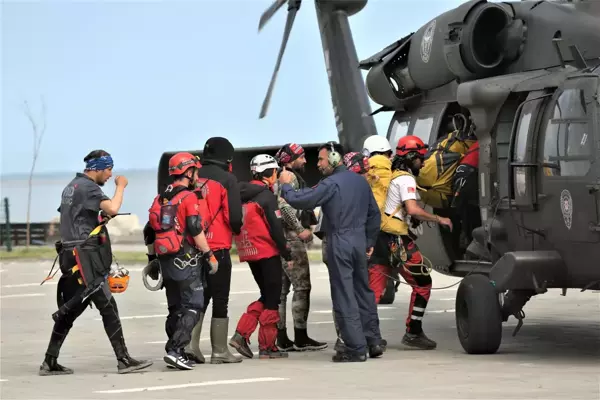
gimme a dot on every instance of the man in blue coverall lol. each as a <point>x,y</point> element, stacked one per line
<point>351,222</point>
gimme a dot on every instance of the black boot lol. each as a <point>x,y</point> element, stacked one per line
<point>303,343</point>
<point>348,356</point>
<point>283,341</point>
<point>375,351</point>
<point>126,363</point>
<point>50,366</point>
<point>240,343</point>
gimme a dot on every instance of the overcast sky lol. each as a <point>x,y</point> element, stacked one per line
<point>139,78</point>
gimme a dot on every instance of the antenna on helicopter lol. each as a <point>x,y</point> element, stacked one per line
<point>293,7</point>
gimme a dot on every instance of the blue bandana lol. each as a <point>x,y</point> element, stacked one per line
<point>99,164</point>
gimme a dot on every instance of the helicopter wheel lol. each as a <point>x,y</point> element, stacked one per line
<point>478,315</point>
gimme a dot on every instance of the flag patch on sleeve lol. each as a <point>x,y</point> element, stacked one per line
<point>412,190</point>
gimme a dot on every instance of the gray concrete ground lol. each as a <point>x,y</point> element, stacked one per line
<point>555,356</point>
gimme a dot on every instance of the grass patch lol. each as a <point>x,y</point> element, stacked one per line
<point>48,253</point>
<point>126,257</point>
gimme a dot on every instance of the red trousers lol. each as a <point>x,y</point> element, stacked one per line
<point>411,272</point>
<point>265,311</point>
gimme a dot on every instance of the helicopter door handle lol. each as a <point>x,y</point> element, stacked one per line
<point>593,188</point>
<point>595,228</point>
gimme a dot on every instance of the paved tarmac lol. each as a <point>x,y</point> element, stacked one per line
<point>555,356</point>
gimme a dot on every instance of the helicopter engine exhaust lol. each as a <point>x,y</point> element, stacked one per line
<point>472,41</point>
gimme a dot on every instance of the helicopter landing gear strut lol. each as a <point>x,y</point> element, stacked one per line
<point>513,303</point>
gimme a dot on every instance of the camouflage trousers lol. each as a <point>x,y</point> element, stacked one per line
<point>299,278</point>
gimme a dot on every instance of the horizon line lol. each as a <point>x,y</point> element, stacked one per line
<point>66,172</point>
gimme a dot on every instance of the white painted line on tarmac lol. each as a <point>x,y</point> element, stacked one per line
<point>190,385</point>
<point>165,341</point>
<point>439,311</point>
<point>18,285</point>
<point>331,322</point>
<point>22,295</point>
<point>139,317</point>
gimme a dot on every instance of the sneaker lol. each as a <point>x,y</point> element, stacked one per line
<point>283,341</point>
<point>419,341</point>
<point>339,346</point>
<point>273,353</point>
<point>309,344</point>
<point>178,361</point>
<point>240,343</point>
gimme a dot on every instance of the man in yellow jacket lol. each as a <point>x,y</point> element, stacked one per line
<point>379,176</point>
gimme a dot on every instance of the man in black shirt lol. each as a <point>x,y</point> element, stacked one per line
<point>81,203</point>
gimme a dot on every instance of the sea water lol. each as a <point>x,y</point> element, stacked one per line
<point>47,189</point>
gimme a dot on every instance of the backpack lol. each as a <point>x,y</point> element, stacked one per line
<point>439,167</point>
<point>164,221</point>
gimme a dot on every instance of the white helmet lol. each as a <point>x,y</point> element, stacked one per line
<point>262,162</point>
<point>376,143</point>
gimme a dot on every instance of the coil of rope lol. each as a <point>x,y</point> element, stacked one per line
<point>148,271</point>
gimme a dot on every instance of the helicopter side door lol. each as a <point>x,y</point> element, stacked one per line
<point>567,145</point>
<point>424,122</point>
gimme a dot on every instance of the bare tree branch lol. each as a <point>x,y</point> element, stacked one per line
<point>38,134</point>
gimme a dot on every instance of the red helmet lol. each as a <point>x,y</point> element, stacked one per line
<point>356,162</point>
<point>181,162</point>
<point>411,144</point>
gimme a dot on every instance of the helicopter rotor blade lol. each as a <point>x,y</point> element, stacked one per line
<point>269,12</point>
<point>292,10</point>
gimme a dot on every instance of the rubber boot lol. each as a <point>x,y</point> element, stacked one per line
<point>218,338</point>
<point>192,350</point>
<point>240,343</point>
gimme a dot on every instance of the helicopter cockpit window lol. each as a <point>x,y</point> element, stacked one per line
<point>399,129</point>
<point>568,142</point>
<point>422,128</point>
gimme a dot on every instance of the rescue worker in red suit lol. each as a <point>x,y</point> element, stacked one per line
<point>466,193</point>
<point>401,211</point>
<point>182,250</point>
<point>262,243</point>
<point>219,189</point>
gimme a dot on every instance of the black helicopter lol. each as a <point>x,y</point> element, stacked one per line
<point>527,74</point>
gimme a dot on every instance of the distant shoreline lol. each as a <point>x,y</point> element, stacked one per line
<point>53,174</point>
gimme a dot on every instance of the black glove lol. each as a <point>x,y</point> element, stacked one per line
<point>154,268</point>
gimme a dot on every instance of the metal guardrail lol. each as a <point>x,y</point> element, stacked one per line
<point>41,233</point>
